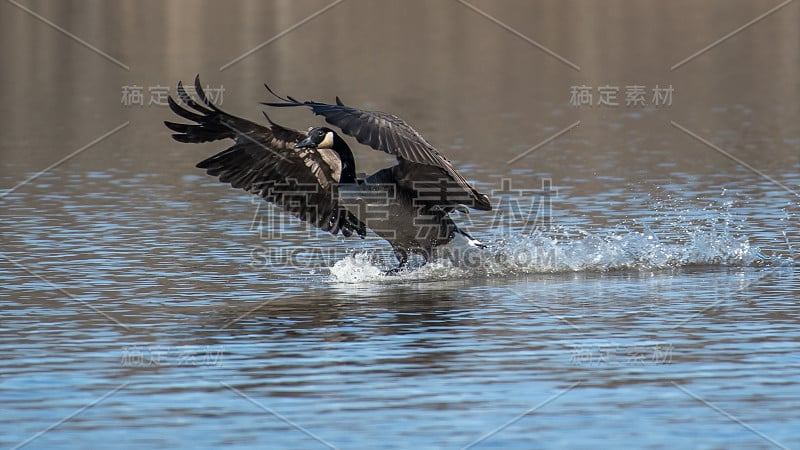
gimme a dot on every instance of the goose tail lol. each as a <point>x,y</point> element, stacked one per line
<point>470,240</point>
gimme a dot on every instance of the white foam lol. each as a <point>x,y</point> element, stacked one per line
<point>578,251</point>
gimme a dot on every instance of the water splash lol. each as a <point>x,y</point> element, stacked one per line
<point>578,251</point>
<point>669,231</point>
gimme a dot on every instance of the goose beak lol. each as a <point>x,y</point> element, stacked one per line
<point>305,143</point>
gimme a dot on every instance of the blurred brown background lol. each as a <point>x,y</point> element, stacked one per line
<point>476,88</point>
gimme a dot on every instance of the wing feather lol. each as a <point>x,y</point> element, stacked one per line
<point>264,162</point>
<point>390,134</point>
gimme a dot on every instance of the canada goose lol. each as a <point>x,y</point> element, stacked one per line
<point>313,175</point>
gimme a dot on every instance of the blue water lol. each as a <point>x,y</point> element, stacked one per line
<point>675,327</point>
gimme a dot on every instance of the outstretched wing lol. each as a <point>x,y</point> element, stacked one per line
<point>390,134</point>
<point>263,161</point>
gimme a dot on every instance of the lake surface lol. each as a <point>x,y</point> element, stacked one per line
<point>639,289</point>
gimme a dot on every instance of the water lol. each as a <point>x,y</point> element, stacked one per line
<point>649,302</point>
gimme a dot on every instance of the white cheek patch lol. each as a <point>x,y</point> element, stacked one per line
<point>328,141</point>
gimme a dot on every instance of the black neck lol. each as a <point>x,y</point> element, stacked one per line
<point>348,162</point>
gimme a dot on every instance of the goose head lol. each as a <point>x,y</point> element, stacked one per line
<point>319,137</point>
